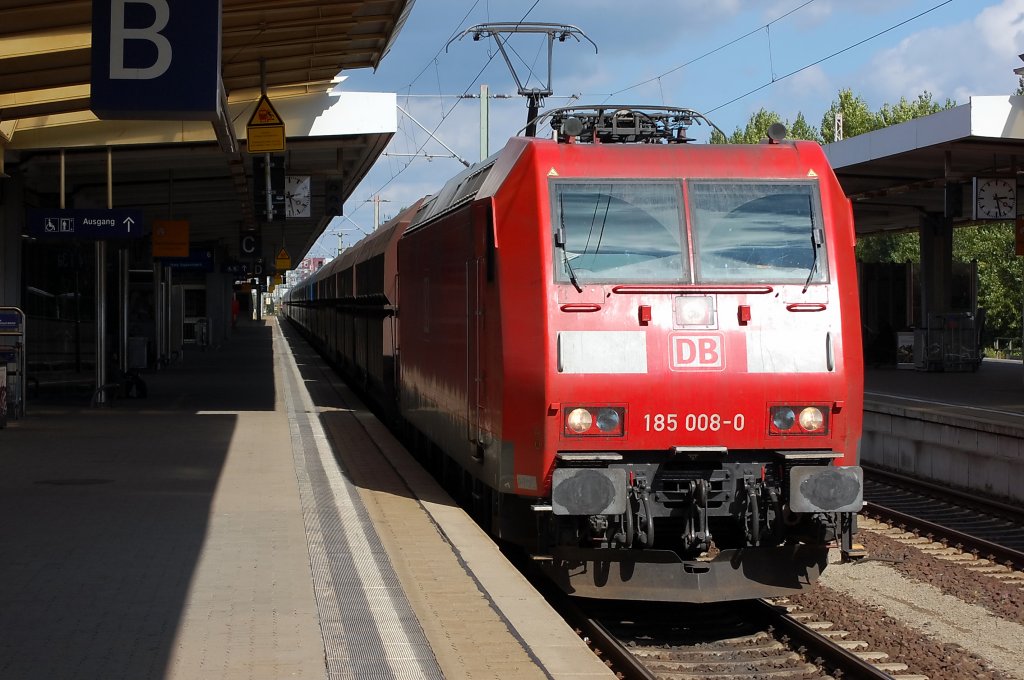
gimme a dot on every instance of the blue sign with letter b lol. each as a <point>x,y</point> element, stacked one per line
<point>156,59</point>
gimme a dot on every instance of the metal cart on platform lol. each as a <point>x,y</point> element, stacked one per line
<point>949,343</point>
<point>12,364</point>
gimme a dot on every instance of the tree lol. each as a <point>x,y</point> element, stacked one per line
<point>889,247</point>
<point>1000,272</point>
<point>801,129</point>
<point>857,117</point>
<point>903,111</point>
<point>757,126</point>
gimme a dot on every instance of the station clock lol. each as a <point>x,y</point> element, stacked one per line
<point>296,196</point>
<point>995,198</point>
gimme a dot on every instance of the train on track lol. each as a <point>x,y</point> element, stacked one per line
<point>635,356</point>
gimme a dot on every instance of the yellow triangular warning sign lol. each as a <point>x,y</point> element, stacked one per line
<point>812,173</point>
<point>283,255</point>
<point>552,173</point>
<point>265,114</point>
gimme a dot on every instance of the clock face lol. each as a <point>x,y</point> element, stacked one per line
<point>296,196</point>
<point>995,198</point>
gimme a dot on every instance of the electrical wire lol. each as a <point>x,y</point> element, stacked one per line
<point>710,52</point>
<point>444,115</point>
<point>834,54</point>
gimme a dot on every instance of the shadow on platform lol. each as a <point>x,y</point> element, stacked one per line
<point>106,511</point>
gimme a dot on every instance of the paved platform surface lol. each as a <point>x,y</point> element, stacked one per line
<point>995,392</point>
<point>206,531</point>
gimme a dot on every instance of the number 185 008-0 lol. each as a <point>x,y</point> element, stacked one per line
<point>692,422</point>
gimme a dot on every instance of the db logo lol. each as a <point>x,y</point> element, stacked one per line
<point>697,352</point>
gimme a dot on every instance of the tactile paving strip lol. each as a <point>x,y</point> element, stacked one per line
<point>368,625</point>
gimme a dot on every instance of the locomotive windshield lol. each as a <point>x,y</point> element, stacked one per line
<point>742,232</point>
<point>756,232</point>
<point>621,231</point>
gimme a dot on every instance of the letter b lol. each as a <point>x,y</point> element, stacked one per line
<point>119,34</point>
<point>709,355</point>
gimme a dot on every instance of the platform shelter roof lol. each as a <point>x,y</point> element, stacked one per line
<point>896,175</point>
<point>196,170</point>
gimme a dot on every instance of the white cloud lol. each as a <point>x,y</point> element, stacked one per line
<point>970,58</point>
<point>1001,27</point>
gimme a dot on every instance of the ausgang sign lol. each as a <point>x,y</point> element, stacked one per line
<point>54,223</point>
<point>155,59</point>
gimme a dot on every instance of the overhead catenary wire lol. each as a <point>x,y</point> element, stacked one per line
<point>710,52</point>
<point>823,59</point>
<point>445,114</point>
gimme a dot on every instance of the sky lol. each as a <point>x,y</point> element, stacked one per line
<point>724,58</point>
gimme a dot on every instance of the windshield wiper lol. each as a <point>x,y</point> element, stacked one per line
<point>560,243</point>
<point>816,239</point>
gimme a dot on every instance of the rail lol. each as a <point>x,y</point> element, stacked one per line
<point>937,531</point>
<point>817,645</point>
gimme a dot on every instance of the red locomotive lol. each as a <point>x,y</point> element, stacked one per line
<point>640,356</point>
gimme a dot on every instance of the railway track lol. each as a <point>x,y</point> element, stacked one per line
<point>761,639</point>
<point>983,528</point>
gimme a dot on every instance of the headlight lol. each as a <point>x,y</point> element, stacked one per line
<point>694,310</point>
<point>594,421</point>
<point>579,420</point>
<point>798,420</point>
<point>811,419</point>
<point>783,418</point>
<point>608,420</point>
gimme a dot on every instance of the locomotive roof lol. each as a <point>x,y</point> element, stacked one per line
<point>483,179</point>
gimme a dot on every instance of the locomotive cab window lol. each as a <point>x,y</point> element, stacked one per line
<point>618,231</point>
<point>757,232</point>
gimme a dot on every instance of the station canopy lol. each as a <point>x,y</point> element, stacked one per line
<point>897,175</point>
<point>200,171</point>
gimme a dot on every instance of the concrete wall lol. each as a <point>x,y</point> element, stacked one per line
<point>968,453</point>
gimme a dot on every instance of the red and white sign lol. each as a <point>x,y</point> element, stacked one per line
<point>697,352</point>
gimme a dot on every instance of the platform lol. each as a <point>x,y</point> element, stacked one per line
<point>963,429</point>
<point>210,531</point>
<point>996,388</point>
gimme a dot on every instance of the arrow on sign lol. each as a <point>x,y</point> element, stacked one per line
<point>129,222</point>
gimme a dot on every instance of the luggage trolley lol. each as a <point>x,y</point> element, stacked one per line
<point>12,364</point>
<point>949,343</point>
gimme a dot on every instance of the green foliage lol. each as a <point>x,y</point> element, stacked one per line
<point>801,129</point>
<point>857,116</point>
<point>903,111</point>
<point>889,247</point>
<point>757,126</point>
<point>1000,273</point>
